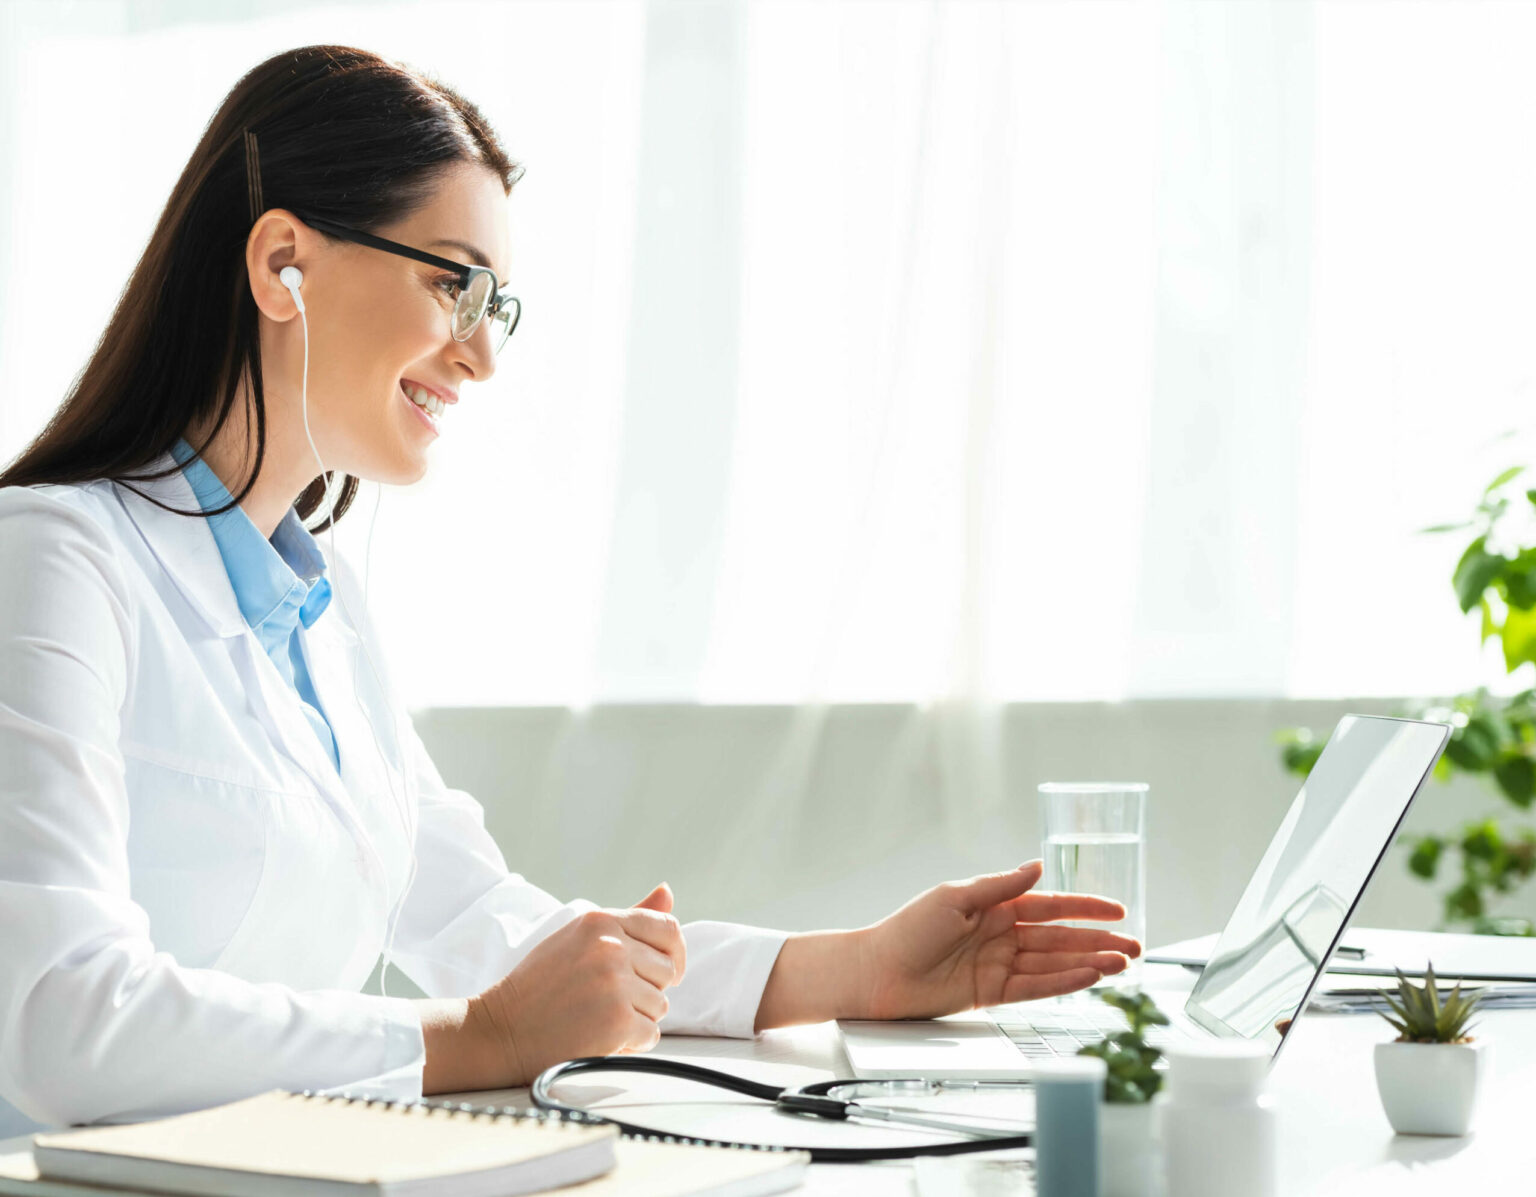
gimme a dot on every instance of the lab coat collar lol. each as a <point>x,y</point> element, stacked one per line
<point>278,581</point>
<point>184,544</point>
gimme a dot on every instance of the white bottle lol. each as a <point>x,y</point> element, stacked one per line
<point>1218,1124</point>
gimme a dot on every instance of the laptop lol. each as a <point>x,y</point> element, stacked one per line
<point>1266,961</point>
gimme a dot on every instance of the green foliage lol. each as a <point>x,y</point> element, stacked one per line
<point>1484,860</point>
<point>1421,1017</point>
<point>1132,1062</point>
<point>1299,749</point>
<point>1491,738</point>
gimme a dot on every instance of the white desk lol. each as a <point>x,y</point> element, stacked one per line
<point>1335,1140</point>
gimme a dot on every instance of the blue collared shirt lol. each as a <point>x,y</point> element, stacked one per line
<point>279,583</point>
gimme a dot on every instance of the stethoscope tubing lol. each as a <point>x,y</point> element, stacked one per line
<point>809,1100</point>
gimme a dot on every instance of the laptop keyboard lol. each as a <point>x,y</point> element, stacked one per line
<point>1064,1030</point>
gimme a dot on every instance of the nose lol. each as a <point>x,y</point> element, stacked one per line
<point>475,352</point>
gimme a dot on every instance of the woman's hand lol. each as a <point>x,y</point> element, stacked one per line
<point>592,988</point>
<point>960,945</point>
<point>987,941</point>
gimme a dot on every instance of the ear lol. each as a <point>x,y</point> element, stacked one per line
<point>277,239</point>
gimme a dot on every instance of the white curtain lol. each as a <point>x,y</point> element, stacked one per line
<point>950,353</point>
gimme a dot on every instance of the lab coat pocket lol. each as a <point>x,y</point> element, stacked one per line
<point>255,881</point>
<point>197,849</point>
<point>317,917</point>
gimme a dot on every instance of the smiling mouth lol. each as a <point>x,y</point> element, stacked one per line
<point>424,407</point>
<point>423,399</point>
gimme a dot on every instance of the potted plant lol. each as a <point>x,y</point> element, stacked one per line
<point>1128,1147</point>
<point>1429,1077</point>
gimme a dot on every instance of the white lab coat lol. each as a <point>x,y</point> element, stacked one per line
<point>190,897</point>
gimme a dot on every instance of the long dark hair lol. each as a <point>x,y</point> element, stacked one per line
<point>337,133</point>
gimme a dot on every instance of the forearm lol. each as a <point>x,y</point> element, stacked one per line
<point>818,975</point>
<point>460,1049</point>
<point>160,1037</point>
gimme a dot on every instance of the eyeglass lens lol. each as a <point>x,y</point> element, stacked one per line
<point>470,309</point>
<point>471,305</point>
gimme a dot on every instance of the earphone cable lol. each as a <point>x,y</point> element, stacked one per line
<point>402,804</point>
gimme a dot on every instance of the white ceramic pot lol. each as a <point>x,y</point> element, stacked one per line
<point>1130,1158</point>
<point>1431,1088</point>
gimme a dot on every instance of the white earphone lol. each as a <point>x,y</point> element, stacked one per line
<point>292,278</point>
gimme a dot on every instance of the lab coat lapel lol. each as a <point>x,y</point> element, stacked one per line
<point>362,721</point>
<point>282,710</point>
<point>184,545</point>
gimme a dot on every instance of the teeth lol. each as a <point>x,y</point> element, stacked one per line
<point>424,399</point>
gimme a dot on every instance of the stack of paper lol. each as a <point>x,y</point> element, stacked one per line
<point>1361,995</point>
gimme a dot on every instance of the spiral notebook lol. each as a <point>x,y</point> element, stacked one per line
<point>301,1145</point>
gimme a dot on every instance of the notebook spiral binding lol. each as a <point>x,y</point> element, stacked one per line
<point>523,1114</point>
<point>516,1113</point>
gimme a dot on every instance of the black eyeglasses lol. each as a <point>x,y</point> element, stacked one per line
<point>480,295</point>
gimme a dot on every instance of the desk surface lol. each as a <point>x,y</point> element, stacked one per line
<point>1335,1140</point>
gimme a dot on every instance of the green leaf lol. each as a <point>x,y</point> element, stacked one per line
<point>1476,746</point>
<point>1489,628</point>
<point>1482,841</point>
<point>1434,528</point>
<point>1463,902</point>
<point>1516,776</point>
<point>1131,1061</point>
<point>1519,638</point>
<point>1475,572</point>
<point>1299,750</point>
<point>1426,857</point>
<point>1300,759</point>
<point>1508,475</point>
<point>1519,578</point>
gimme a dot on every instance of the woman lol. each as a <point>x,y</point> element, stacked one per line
<point>213,811</point>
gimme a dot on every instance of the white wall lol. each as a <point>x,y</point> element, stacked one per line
<point>607,803</point>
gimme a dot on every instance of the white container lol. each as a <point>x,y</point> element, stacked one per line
<point>1218,1126</point>
<point>1130,1162</point>
<point>1431,1088</point>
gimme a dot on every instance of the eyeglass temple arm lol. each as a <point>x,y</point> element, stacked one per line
<point>394,247</point>
<point>498,300</point>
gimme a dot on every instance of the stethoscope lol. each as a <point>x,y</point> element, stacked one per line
<point>818,1100</point>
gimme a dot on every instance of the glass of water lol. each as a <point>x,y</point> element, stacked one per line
<point>1093,838</point>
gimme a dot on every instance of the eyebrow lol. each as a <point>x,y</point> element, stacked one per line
<point>475,256</point>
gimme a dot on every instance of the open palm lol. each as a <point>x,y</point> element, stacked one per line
<point>987,941</point>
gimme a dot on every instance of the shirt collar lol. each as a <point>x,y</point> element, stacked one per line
<point>277,582</point>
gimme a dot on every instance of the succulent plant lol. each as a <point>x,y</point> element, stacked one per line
<point>1131,1061</point>
<point>1423,1018</point>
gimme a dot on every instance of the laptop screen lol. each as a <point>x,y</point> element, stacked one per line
<point>1290,917</point>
